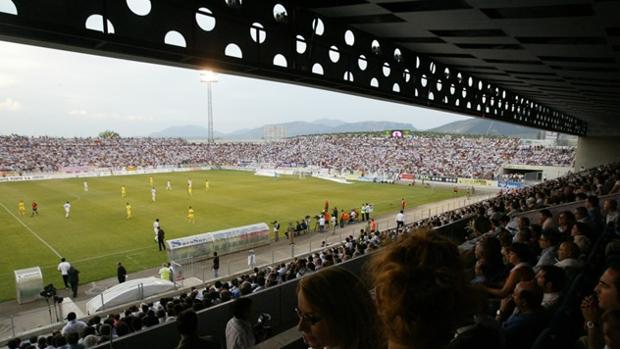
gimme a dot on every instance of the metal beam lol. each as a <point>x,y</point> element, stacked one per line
<point>271,40</point>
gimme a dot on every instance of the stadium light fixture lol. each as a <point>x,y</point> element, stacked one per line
<point>209,77</point>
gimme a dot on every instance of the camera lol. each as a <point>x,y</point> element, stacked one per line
<point>49,291</point>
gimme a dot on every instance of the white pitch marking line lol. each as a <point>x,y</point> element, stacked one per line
<point>32,231</point>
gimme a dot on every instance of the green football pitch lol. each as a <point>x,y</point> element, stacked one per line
<point>97,234</point>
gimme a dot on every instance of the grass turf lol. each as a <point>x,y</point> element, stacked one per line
<point>97,235</point>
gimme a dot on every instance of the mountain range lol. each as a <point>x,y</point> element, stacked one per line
<point>486,127</point>
<point>473,126</point>
<point>294,128</point>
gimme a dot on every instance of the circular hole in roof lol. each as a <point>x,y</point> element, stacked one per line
<point>334,54</point>
<point>301,44</point>
<point>317,69</point>
<point>317,26</point>
<point>362,62</point>
<point>446,73</point>
<point>95,22</point>
<point>279,13</point>
<point>464,92</point>
<point>480,85</point>
<point>234,3</point>
<point>423,80</point>
<point>386,69</point>
<point>349,37</point>
<point>174,38</point>
<point>431,96</point>
<point>470,81</point>
<point>8,7</point>
<point>375,47</point>
<point>280,61</point>
<point>398,56</point>
<point>205,19</point>
<point>258,33</point>
<point>139,7</point>
<point>396,88</point>
<point>348,76</point>
<point>432,67</point>
<point>438,85</point>
<point>452,89</point>
<point>417,61</point>
<point>484,99</point>
<point>233,50</point>
<point>374,82</point>
<point>406,75</point>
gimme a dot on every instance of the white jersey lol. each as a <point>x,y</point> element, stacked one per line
<point>85,186</point>
<point>67,207</point>
<point>251,260</point>
<point>189,183</point>
<point>155,227</point>
<point>153,194</point>
<point>168,185</point>
<point>400,217</point>
<point>64,267</point>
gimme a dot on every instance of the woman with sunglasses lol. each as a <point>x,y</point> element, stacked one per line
<point>335,310</point>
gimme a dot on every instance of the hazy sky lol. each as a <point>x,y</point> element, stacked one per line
<point>59,93</point>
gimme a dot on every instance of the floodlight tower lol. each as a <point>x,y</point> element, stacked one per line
<point>209,77</point>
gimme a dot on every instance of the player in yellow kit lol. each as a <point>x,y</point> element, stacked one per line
<point>189,186</point>
<point>21,208</point>
<point>129,211</point>
<point>206,185</point>
<point>190,215</point>
<point>151,180</point>
<point>123,192</point>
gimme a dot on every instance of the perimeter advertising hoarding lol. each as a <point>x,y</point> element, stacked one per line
<point>437,179</point>
<point>226,241</point>
<point>478,182</point>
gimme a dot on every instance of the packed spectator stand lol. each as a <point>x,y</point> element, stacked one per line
<point>428,155</point>
<point>514,227</point>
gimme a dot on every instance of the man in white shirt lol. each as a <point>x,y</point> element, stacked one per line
<point>400,220</point>
<point>251,259</point>
<point>63,268</point>
<point>551,280</point>
<point>73,326</point>
<point>156,227</point>
<point>67,207</point>
<point>168,185</point>
<point>85,186</point>
<point>239,332</point>
<point>610,207</point>
<point>153,194</point>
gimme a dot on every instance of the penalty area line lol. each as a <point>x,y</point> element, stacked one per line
<point>31,231</point>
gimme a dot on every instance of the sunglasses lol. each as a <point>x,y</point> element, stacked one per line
<point>307,318</point>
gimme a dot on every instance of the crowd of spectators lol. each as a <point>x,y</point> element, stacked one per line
<point>443,156</point>
<point>524,267</point>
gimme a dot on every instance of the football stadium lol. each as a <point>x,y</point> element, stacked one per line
<point>370,174</point>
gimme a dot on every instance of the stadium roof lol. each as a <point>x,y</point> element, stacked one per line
<point>549,64</point>
<point>564,54</point>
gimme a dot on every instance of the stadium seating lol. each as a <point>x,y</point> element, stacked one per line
<point>424,155</point>
<point>273,289</point>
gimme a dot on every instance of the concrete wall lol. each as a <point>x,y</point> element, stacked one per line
<point>548,172</point>
<point>594,151</point>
